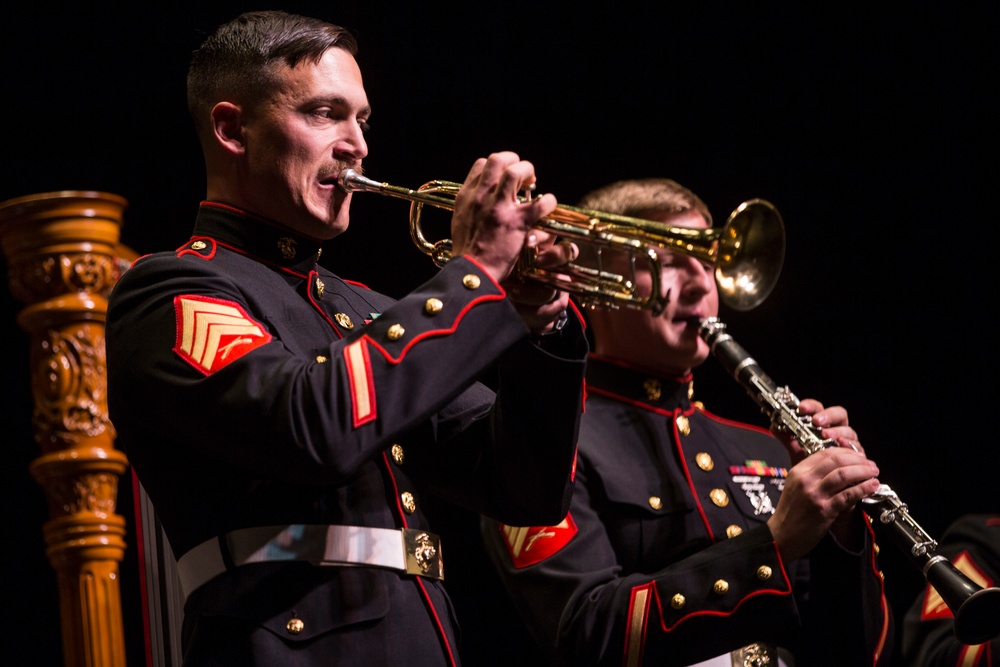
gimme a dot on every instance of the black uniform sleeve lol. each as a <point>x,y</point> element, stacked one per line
<point>290,411</point>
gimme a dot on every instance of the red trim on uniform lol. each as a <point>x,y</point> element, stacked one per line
<point>261,260</point>
<point>395,489</point>
<point>883,601</point>
<point>212,333</point>
<point>437,621</point>
<point>579,316</point>
<point>687,473</point>
<point>357,284</point>
<point>629,401</point>
<point>313,275</point>
<point>186,249</point>
<point>417,580</point>
<point>769,591</point>
<point>434,332</point>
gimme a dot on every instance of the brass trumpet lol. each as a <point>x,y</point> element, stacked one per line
<point>746,254</point>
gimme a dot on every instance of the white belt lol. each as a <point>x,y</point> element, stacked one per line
<point>750,656</point>
<point>407,550</point>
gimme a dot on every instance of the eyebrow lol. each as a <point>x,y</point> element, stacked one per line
<point>341,101</point>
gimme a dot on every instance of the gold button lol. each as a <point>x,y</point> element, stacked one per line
<point>733,530</point>
<point>698,404</point>
<point>704,461</point>
<point>397,454</point>
<point>320,359</point>
<point>343,320</point>
<point>720,587</point>
<point>395,332</point>
<point>409,503</point>
<point>433,306</point>
<point>471,281</point>
<point>655,502</point>
<point>320,288</point>
<point>719,497</point>
<point>678,601</point>
<point>295,626</point>
<point>199,245</point>
<point>764,572</point>
<point>653,389</point>
<point>691,389</point>
<point>875,547</point>
<point>683,425</point>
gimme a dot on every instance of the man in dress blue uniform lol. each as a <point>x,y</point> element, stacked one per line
<point>691,538</point>
<point>287,423</point>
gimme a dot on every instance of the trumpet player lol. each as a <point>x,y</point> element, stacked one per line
<point>288,424</point>
<point>693,539</point>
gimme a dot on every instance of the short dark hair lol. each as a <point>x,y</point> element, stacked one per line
<point>237,61</point>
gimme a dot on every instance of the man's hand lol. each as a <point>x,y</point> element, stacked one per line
<point>541,305</point>
<point>823,489</point>
<point>490,223</point>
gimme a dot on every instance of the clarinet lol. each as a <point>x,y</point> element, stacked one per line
<point>976,609</point>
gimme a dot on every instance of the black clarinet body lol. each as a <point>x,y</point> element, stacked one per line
<point>976,609</point>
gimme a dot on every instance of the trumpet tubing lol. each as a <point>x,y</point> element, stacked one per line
<point>746,254</point>
<point>976,609</point>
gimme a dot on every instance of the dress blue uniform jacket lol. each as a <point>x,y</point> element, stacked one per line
<point>249,386</point>
<point>665,557</point>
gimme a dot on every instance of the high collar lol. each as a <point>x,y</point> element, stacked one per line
<point>622,381</point>
<point>256,236</point>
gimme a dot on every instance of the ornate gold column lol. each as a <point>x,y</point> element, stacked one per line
<point>63,257</point>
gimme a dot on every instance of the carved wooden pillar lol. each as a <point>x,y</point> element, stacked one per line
<point>63,258</point>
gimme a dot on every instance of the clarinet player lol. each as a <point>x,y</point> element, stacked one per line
<point>692,539</point>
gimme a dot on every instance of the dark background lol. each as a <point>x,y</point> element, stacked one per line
<point>870,128</point>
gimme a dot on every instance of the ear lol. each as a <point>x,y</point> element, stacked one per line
<point>227,126</point>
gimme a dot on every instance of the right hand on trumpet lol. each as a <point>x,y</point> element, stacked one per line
<point>492,225</point>
<point>822,489</point>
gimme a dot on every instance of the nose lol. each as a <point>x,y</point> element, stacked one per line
<point>352,145</point>
<point>699,280</point>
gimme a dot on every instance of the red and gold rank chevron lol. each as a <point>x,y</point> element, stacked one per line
<point>934,605</point>
<point>534,544</point>
<point>212,332</point>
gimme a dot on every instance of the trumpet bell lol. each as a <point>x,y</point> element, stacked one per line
<point>750,254</point>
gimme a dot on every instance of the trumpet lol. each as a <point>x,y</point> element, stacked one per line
<point>976,609</point>
<point>746,254</point>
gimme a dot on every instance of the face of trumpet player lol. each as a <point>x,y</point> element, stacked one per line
<point>275,145</point>
<point>667,343</point>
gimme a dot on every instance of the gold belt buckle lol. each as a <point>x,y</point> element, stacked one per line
<point>423,553</point>
<point>755,655</point>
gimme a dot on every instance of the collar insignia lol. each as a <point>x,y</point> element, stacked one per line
<point>653,389</point>
<point>286,246</point>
